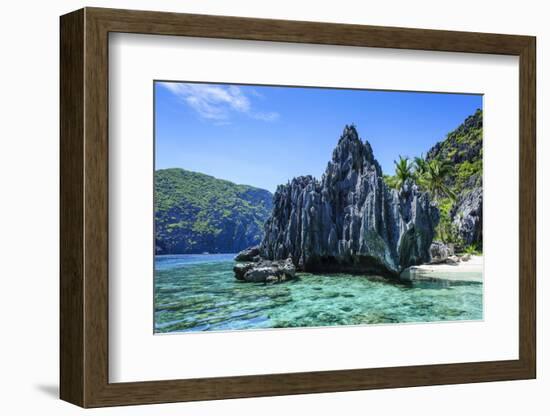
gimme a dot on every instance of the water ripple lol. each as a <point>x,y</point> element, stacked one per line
<point>200,293</point>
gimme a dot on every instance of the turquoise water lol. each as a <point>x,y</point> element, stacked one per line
<point>200,293</point>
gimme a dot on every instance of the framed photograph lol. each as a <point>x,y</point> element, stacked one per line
<point>255,207</point>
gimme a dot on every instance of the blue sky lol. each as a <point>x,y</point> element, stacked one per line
<point>263,136</point>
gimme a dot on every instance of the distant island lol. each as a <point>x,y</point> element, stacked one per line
<point>197,213</point>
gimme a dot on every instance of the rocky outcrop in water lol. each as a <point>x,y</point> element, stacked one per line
<point>350,221</point>
<point>249,254</point>
<point>265,271</point>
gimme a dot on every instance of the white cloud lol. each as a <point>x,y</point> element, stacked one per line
<point>270,116</point>
<point>216,102</point>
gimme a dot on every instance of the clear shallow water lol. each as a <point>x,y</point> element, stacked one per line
<point>200,293</point>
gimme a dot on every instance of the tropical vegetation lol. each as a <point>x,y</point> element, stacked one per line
<point>450,170</point>
<point>196,213</point>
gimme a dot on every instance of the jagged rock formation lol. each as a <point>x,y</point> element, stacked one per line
<point>467,215</point>
<point>463,147</point>
<point>440,252</point>
<point>350,221</point>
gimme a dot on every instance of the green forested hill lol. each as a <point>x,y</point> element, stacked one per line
<point>453,174</point>
<point>463,148</point>
<point>197,213</point>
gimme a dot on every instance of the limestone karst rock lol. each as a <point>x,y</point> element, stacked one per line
<point>265,271</point>
<point>248,254</point>
<point>467,214</point>
<point>350,220</point>
<point>463,147</point>
<point>441,252</point>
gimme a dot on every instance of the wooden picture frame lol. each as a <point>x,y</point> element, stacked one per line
<point>84,207</point>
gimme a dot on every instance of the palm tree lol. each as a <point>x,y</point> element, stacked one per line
<point>420,166</point>
<point>434,179</point>
<point>403,171</point>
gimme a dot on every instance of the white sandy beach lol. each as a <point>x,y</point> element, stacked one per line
<point>467,271</point>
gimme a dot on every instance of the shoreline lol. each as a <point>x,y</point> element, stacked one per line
<point>464,271</point>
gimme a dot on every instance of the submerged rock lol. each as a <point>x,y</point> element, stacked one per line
<point>350,221</point>
<point>265,271</point>
<point>249,254</point>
